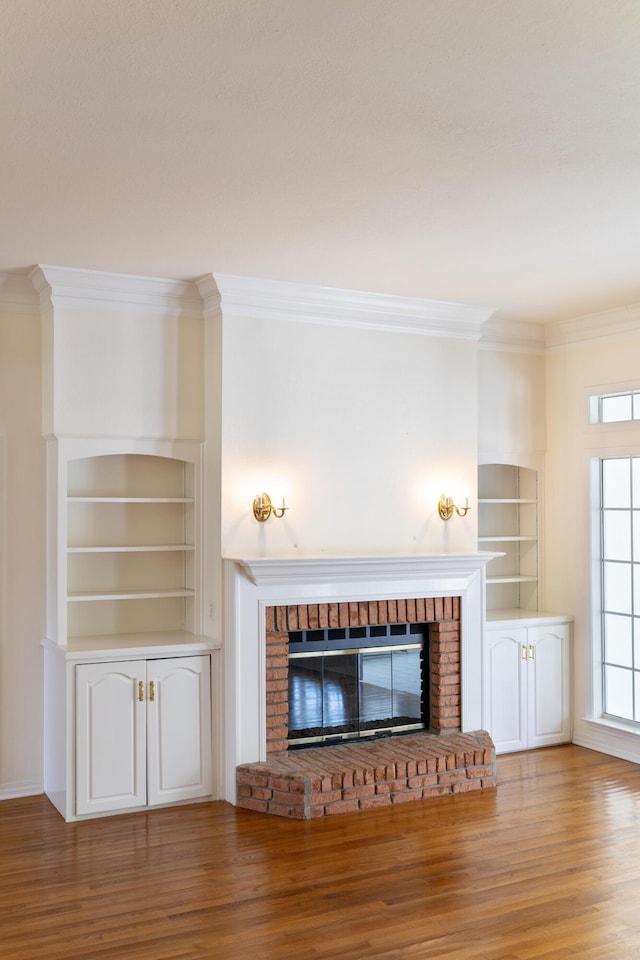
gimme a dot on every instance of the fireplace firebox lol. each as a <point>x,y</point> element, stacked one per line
<point>357,682</point>
<point>361,641</point>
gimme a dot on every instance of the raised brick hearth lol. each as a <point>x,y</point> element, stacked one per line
<point>318,782</point>
<point>351,776</point>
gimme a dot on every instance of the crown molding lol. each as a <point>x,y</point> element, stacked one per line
<point>307,303</point>
<point>88,289</point>
<point>513,336</point>
<point>210,295</point>
<point>17,294</point>
<point>617,324</point>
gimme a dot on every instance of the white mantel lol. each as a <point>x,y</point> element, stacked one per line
<point>252,585</point>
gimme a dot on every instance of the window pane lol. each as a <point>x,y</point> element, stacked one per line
<point>617,535</point>
<point>617,640</point>
<point>636,680</point>
<point>616,483</point>
<point>636,406</point>
<point>617,588</point>
<point>635,474</point>
<point>636,640</point>
<point>636,539</point>
<point>618,692</point>
<point>615,408</point>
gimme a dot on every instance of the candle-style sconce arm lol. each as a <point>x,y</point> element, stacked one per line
<point>263,507</point>
<point>446,508</point>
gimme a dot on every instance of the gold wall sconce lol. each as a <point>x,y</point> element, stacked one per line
<point>446,507</point>
<point>263,507</point>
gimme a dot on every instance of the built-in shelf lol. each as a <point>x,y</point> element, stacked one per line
<point>512,579</point>
<point>508,518</point>
<point>127,595</point>
<point>506,500</point>
<point>137,548</point>
<point>507,539</point>
<point>129,499</point>
<point>130,555</point>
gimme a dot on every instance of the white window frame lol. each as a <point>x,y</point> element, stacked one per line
<point>595,678</point>
<point>596,393</point>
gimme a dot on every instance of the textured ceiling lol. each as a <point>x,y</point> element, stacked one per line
<point>475,151</point>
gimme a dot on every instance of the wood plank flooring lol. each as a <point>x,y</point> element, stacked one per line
<point>546,866</point>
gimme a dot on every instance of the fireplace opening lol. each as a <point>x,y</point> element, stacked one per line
<point>357,682</point>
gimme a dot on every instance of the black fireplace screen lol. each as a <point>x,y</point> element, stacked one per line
<point>358,682</point>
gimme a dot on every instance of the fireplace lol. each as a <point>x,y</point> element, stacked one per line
<point>267,599</point>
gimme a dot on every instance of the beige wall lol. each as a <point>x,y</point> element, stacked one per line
<point>22,555</point>
<point>573,372</point>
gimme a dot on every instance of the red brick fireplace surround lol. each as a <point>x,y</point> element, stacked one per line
<point>350,776</point>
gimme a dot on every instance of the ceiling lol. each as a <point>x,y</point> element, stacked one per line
<point>474,151</point>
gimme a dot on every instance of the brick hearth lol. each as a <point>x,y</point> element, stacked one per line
<point>354,776</point>
<point>320,781</point>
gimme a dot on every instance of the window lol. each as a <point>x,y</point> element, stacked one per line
<point>620,570</point>
<point>616,407</point>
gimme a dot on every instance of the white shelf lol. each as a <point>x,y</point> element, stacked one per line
<point>128,595</point>
<point>140,548</point>
<point>131,645</point>
<point>129,499</point>
<point>508,518</point>
<point>500,539</point>
<point>506,500</point>
<point>511,579</point>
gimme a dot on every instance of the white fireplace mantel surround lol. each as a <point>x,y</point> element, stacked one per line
<point>253,585</point>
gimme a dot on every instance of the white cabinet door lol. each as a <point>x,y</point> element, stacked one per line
<point>548,685</point>
<point>179,729</point>
<point>505,693</point>
<point>143,733</point>
<point>526,700</point>
<point>110,737</point>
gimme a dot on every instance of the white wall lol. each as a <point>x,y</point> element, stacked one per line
<point>126,373</point>
<point>511,406</point>
<point>361,429</point>
<point>572,444</point>
<point>22,555</point>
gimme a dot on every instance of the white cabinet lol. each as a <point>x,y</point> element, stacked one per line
<point>124,576</point>
<point>526,692</point>
<point>508,523</point>
<point>143,733</point>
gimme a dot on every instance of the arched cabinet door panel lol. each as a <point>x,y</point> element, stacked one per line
<point>179,729</point>
<point>110,737</point>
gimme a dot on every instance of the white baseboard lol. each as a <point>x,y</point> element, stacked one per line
<point>616,742</point>
<point>21,788</point>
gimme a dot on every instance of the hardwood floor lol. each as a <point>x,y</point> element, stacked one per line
<point>547,865</point>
